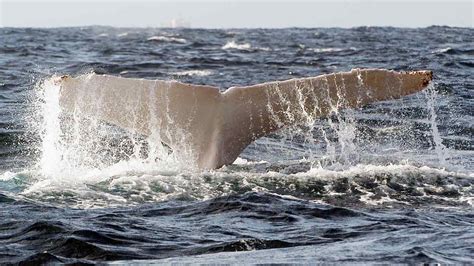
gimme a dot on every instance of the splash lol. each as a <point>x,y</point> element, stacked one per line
<point>87,163</point>
<point>441,150</point>
<point>50,130</point>
<point>74,145</point>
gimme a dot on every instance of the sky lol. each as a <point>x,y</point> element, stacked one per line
<point>235,13</point>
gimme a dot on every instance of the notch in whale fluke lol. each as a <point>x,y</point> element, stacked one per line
<point>217,126</point>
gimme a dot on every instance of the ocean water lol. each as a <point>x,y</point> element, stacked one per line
<point>391,182</point>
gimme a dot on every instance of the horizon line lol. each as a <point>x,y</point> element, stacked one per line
<point>224,28</point>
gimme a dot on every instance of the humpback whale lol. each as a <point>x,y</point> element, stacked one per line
<point>217,126</point>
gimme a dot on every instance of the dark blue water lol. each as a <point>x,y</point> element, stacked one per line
<point>392,182</point>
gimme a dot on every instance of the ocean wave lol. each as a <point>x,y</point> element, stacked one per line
<point>210,230</point>
<point>167,39</point>
<point>232,45</point>
<point>454,51</point>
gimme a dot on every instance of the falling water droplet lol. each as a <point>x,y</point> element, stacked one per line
<point>441,150</point>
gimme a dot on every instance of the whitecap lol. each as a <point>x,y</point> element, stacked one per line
<point>242,46</point>
<point>442,50</point>
<point>167,39</point>
<point>237,46</point>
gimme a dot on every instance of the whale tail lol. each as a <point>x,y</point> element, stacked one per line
<point>216,127</point>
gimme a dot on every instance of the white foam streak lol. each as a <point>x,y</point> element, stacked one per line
<point>442,50</point>
<point>198,73</point>
<point>167,39</point>
<point>377,170</point>
<point>331,49</point>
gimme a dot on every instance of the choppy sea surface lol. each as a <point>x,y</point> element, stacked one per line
<point>391,182</point>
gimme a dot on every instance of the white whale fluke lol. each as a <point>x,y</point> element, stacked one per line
<point>218,126</point>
